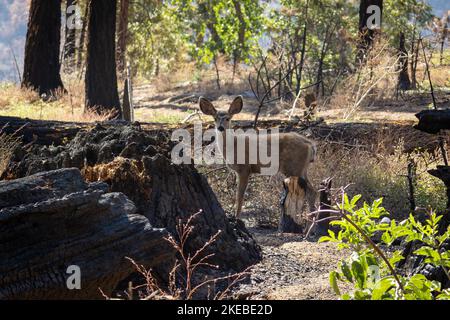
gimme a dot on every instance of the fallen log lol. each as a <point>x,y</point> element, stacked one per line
<point>53,221</point>
<point>433,121</point>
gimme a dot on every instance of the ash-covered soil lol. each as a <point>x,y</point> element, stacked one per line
<point>291,268</point>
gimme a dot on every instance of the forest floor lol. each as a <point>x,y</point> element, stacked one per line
<point>292,268</point>
<point>177,104</point>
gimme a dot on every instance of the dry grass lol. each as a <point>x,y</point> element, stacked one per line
<point>191,78</point>
<point>68,106</point>
<point>373,81</point>
<point>8,144</point>
<point>376,174</point>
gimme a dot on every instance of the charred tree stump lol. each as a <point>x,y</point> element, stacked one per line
<point>325,204</point>
<point>443,173</point>
<point>292,202</point>
<point>137,163</point>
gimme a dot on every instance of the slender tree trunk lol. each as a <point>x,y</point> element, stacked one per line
<point>241,33</point>
<point>412,60</point>
<point>217,72</point>
<point>83,37</point>
<point>70,39</point>
<point>122,36</point>
<point>302,54</point>
<point>323,51</point>
<point>366,33</point>
<point>101,78</point>
<point>403,78</point>
<point>42,66</point>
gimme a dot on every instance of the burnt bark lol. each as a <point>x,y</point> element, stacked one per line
<point>42,65</point>
<point>53,220</point>
<point>101,78</point>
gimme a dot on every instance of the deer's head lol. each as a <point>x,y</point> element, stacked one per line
<point>222,119</point>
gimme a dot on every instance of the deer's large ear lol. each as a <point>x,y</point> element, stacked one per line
<point>236,106</point>
<point>207,107</point>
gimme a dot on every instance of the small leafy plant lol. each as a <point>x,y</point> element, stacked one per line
<point>371,270</point>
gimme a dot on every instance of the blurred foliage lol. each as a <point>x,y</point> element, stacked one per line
<point>164,34</point>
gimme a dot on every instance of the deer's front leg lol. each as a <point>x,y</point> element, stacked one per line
<point>242,181</point>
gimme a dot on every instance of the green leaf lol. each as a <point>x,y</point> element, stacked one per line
<point>354,200</point>
<point>359,274</point>
<point>445,295</point>
<point>333,282</point>
<point>346,271</point>
<point>382,287</point>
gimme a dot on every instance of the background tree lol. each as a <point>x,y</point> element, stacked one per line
<point>70,36</point>
<point>42,66</point>
<point>122,34</point>
<point>82,41</point>
<point>366,32</point>
<point>101,79</point>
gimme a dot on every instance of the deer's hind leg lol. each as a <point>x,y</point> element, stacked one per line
<point>242,182</point>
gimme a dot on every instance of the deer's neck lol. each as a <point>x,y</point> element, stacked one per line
<point>221,140</point>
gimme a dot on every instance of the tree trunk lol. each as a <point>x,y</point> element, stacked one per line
<point>81,44</point>
<point>366,33</point>
<point>101,78</point>
<point>302,54</point>
<point>403,78</point>
<point>122,36</point>
<point>42,66</point>
<point>70,40</point>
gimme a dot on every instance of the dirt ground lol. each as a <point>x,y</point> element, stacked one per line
<point>292,268</point>
<point>180,102</point>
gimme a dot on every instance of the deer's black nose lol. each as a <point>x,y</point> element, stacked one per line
<point>221,129</point>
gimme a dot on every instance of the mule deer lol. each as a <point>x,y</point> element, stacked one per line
<point>295,152</point>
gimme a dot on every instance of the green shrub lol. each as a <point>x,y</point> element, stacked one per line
<point>372,271</point>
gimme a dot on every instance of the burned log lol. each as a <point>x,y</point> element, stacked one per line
<point>433,121</point>
<point>40,131</point>
<point>52,221</point>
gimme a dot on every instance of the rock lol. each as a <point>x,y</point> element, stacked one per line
<point>52,220</point>
<point>137,163</point>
